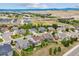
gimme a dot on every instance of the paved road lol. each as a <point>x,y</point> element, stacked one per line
<point>73,52</point>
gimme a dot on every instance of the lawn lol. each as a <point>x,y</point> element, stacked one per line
<point>15,53</point>
<point>1,40</point>
<point>16,36</point>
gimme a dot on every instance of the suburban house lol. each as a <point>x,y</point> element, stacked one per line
<point>35,39</point>
<point>38,38</point>
<point>26,20</point>
<point>14,28</point>
<point>33,30</point>
<point>61,36</point>
<point>22,43</point>
<point>16,21</point>
<point>6,50</point>
<point>48,36</point>
<point>5,21</point>
<point>41,29</point>
<point>19,31</point>
<point>51,29</point>
<point>6,36</point>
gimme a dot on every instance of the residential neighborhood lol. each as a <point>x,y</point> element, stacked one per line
<point>39,33</point>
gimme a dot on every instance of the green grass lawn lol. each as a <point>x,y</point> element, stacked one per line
<point>16,36</point>
<point>1,40</point>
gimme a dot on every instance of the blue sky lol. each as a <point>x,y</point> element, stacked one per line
<point>37,5</point>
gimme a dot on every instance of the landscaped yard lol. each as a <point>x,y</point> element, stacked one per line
<point>1,40</point>
<point>16,36</point>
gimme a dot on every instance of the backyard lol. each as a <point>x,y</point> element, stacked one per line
<point>1,40</point>
<point>16,36</point>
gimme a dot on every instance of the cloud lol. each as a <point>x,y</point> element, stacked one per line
<point>36,5</point>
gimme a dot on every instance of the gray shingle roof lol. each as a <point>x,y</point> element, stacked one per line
<point>5,49</point>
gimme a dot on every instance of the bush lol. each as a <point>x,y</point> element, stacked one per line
<point>67,29</point>
<point>50,51</point>
<point>65,42</point>
<point>55,50</point>
<point>72,29</point>
<point>1,40</point>
<point>75,39</point>
<point>59,49</point>
<point>71,41</point>
<point>55,26</point>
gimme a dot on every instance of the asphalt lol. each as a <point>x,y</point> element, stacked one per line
<point>73,52</point>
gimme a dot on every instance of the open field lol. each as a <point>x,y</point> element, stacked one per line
<point>48,23</point>
<point>45,51</point>
<point>58,12</point>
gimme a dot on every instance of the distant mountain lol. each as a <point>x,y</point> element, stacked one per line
<point>39,9</point>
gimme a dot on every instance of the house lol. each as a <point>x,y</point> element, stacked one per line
<point>47,36</point>
<point>14,28</point>
<point>35,39</point>
<point>19,31</point>
<point>74,34</point>
<point>22,44</point>
<point>33,30</point>
<point>7,36</point>
<point>38,38</point>
<point>26,20</point>
<point>77,28</point>
<point>41,29</point>
<point>16,21</point>
<point>5,21</point>
<point>6,50</point>
<point>51,29</point>
<point>4,28</point>
<point>61,36</point>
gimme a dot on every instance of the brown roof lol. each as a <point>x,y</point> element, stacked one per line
<point>37,38</point>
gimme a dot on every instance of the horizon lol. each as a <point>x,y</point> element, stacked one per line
<point>38,5</point>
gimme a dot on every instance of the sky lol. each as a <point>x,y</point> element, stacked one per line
<point>37,5</point>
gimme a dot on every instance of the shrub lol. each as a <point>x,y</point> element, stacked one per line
<point>65,42</point>
<point>67,29</point>
<point>59,49</point>
<point>71,41</point>
<point>55,26</point>
<point>55,50</point>
<point>50,51</point>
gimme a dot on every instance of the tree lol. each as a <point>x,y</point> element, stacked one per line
<point>50,51</point>
<point>54,33</point>
<point>65,42</point>
<point>12,43</point>
<point>67,29</point>
<point>55,26</point>
<point>71,41</point>
<point>59,49</point>
<point>55,50</point>
<point>72,29</point>
<point>75,39</point>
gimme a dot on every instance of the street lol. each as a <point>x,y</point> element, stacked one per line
<point>73,52</point>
